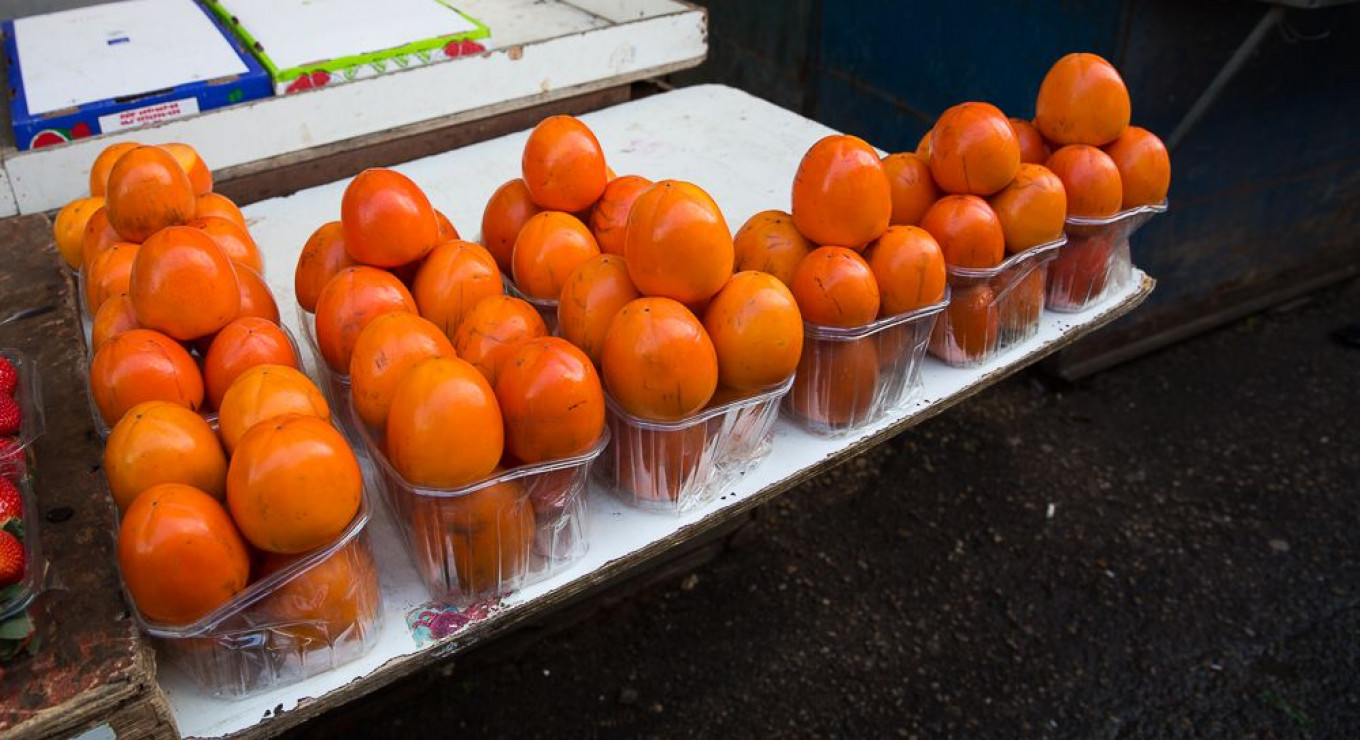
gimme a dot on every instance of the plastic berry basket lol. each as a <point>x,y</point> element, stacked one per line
<point>546,307</point>
<point>994,309</point>
<point>285,627</point>
<point>28,393</point>
<point>1096,261</point>
<point>16,597</point>
<point>674,466</point>
<point>484,540</point>
<point>850,377</point>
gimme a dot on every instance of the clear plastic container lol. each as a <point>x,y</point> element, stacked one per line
<point>484,540</point>
<point>546,307</point>
<point>675,466</point>
<point>28,392</point>
<point>15,598</point>
<point>321,611</point>
<point>1095,262</point>
<point>849,377</point>
<point>993,309</point>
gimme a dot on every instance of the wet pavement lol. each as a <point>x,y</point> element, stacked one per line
<point>1171,548</point>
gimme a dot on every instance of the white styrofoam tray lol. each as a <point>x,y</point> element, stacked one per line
<point>740,149</point>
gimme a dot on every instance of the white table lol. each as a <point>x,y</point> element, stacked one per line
<point>744,151</point>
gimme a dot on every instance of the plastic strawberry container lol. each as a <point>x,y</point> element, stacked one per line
<point>28,393</point>
<point>16,597</point>
<point>1095,262</point>
<point>320,612</point>
<point>850,377</point>
<point>674,466</point>
<point>994,309</point>
<point>482,541</point>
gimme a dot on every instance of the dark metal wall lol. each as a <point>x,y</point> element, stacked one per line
<point>1265,190</point>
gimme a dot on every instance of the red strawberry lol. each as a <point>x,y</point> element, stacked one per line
<point>10,416</point>
<point>452,49</point>
<point>11,559</point>
<point>11,506</point>
<point>468,46</point>
<point>302,83</point>
<point>11,459</point>
<point>320,77</point>
<point>9,377</point>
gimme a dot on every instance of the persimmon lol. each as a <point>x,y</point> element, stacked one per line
<point>454,277</point>
<point>385,351</point>
<point>180,554</point>
<point>447,231</point>
<point>841,194</point>
<point>475,545</point>
<point>244,343</point>
<point>677,244</point>
<point>769,242</point>
<point>967,230</point>
<point>661,465</point>
<point>551,400</point>
<point>757,331</point>
<point>444,427</point>
<point>109,275</point>
<point>68,229</point>
<point>148,191</point>
<point>143,365</point>
<point>98,235</point>
<point>103,164</point>
<point>263,392</point>
<point>1033,148</point>
<point>595,292</point>
<point>923,146</point>
<point>332,601</point>
<point>1144,167</point>
<point>909,267</point>
<point>1082,100</point>
<point>293,484</point>
<point>322,257</point>
<point>563,165</point>
<point>492,329</point>
<point>234,240</point>
<point>609,216</point>
<point>835,287</point>
<point>183,284</point>
<point>836,382</point>
<point>658,362</point>
<point>114,317</point>
<point>256,298</point>
<point>387,218</point>
<point>973,150</point>
<point>354,297</point>
<point>1090,178</point>
<point>509,208</point>
<point>200,176</point>
<point>548,248</point>
<point>1081,271</point>
<point>216,204</point>
<point>1032,209</point>
<point>912,186</point>
<point>968,329</point>
<point>161,442</point>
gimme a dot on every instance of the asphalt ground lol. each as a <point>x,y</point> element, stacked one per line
<point>1168,549</point>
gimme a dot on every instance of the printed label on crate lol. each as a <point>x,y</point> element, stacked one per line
<point>148,115</point>
<point>433,622</point>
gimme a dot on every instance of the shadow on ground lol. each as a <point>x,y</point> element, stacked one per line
<point>1170,548</point>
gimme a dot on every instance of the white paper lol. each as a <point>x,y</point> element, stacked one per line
<point>125,48</point>
<point>297,33</point>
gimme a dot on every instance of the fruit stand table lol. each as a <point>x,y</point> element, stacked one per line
<point>572,55</point>
<point>744,152</point>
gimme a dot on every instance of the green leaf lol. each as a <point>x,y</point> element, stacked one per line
<point>17,627</point>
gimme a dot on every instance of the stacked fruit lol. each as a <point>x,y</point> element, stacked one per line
<point>11,418</point>
<point>1107,167</point>
<point>13,555</point>
<point>861,277</point>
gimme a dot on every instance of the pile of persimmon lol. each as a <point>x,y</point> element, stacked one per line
<point>454,380</point>
<point>173,281</point>
<point>849,257</point>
